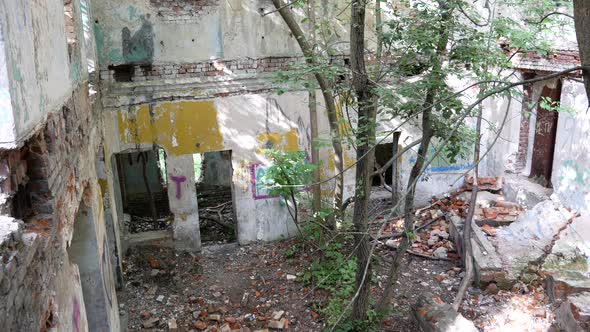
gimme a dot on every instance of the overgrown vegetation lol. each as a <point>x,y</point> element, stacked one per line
<point>420,52</point>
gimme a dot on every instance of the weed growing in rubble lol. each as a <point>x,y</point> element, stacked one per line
<point>334,272</point>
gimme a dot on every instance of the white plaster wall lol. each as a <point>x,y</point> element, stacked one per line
<point>38,67</point>
<point>235,29</point>
<point>571,163</point>
<point>500,135</point>
<point>439,177</point>
<point>7,130</point>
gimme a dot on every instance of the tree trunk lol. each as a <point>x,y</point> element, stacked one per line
<point>427,133</point>
<point>326,89</point>
<point>395,174</point>
<point>467,247</point>
<point>365,139</point>
<point>313,120</point>
<point>582,21</point>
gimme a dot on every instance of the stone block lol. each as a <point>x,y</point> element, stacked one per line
<point>573,315</point>
<point>566,267</point>
<point>524,192</point>
<point>526,240</point>
<point>433,315</point>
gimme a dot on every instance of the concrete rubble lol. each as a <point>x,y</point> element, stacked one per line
<point>525,241</point>
<point>433,315</point>
<point>534,254</point>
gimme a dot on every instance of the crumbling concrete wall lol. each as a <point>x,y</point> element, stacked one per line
<point>48,178</point>
<point>187,31</point>
<point>500,138</point>
<point>226,123</point>
<point>7,131</point>
<point>195,77</point>
<point>46,174</point>
<point>41,76</point>
<point>442,175</point>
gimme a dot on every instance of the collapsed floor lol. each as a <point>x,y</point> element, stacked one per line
<point>228,288</point>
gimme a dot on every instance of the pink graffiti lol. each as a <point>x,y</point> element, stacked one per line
<point>76,315</point>
<point>178,180</point>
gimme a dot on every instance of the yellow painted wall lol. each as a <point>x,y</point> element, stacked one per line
<point>187,127</point>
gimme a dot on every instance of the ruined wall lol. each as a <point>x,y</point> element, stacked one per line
<point>244,124</point>
<point>48,172</point>
<point>500,137</point>
<point>189,31</point>
<point>196,76</point>
<point>571,163</point>
<point>184,31</point>
<point>441,176</point>
<point>46,181</point>
<point>7,131</point>
<point>41,74</point>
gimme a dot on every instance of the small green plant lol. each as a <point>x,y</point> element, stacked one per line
<point>334,272</point>
<point>289,173</point>
<point>551,105</point>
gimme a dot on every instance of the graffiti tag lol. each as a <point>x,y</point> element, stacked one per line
<point>76,314</point>
<point>178,180</point>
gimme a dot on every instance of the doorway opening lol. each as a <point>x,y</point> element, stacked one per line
<point>142,183</point>
<point>383,153</point>
<point>213,181</point>
<point>545,135</point>
<point>83,252</point>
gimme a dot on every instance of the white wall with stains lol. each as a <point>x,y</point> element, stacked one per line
<point>7,130</point>
<point>244,124</point>
<point>571,163</point>
<point>500,134</point>
<point>145,31</point>
<point>38,67</point>
<point>229,29</point>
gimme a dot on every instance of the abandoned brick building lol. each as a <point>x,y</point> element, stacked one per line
<point>106,105</point>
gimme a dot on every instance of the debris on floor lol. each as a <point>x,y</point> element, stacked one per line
<point>522,282</point>
<point>432,314</point>
<point>226,288</point>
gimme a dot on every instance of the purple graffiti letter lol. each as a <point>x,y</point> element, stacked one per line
<point>178,180</point>
<point>76,315</point>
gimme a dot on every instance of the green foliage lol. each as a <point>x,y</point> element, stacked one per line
<point>289,172</point>
<point>551,105</point>
<point>298,76</point>
<point>334,273</point>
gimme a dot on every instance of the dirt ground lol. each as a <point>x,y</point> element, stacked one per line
<point>161,283</point>
<point>229,287</point>
<point>246,285</point>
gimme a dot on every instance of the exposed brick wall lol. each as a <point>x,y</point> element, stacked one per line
<point>202,69</point>
<point>50,173</point>
<point>141,73</point>
<point>556,61</point>
<point>175,10</point>
<point>523,136</point>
